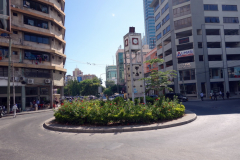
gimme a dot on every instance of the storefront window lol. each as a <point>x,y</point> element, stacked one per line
<point>44,91</point>
<point>31,91</point>
<point>216,73</point>
<point>190,88</point>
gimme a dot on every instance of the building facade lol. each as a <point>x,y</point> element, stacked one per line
<point>38,46</point>
<point>111,73</point>
<point>89,76</point>
<point>120,66</point>
<point>77,73</point>
<point>147,66</point>
<point>149,24</point>
<point>200,40</point>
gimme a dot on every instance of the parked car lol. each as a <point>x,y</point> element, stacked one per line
<point>153,96</point>
<point>111,98</point>
<point>181,97</point>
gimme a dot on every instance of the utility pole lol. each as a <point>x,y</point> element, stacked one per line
<point>9,73</point>
<point>183,84</point>
<point>13,83</point>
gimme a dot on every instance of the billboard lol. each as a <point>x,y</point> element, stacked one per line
<point>5,21</point>
<point>185,53</point>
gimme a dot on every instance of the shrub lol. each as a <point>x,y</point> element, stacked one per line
<point>118,111</point>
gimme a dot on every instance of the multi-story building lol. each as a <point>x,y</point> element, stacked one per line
<point>200,40</point>
<point>38,47</point>
<point>149,24</point>
<point>147,66</point>
<point>89,76</point>
<point>77,73</point>
<point>69,78</point>
<point>120,66</point>
<point>111,73</point>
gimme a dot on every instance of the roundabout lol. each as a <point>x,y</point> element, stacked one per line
<point>51,125</point>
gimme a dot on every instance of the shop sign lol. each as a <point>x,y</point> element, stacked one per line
<point>184,40</point>
<point>185,53</point>
<point>185,66</point>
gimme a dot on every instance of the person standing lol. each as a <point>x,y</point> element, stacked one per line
<point>201,95</point>
<point>211,95</point>
<point>14,108</point>
<point>38,102</point>
<point>215,96</point>
<point>227,95</point>
<point>220,94</point>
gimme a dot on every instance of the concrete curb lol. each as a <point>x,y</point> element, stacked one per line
<point>30,112</point>
<point>189,117</point>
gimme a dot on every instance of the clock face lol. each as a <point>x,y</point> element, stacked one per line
<point>126,42</point>
<point>135,41</point>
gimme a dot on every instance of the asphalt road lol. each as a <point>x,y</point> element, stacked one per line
<point>214,135</point>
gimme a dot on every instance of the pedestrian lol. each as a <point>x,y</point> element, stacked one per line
<point>31,104</point>
<point>38,102</point>
<point>227,95</point>
<point>4,108</point>
<point>211,95</point>
<point>223,95</point>
<point>201,95</point>
<point>220,94</point>
<point>215,96</point>
<point>14,108</point>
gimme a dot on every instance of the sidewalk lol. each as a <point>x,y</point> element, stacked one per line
<point>30,112</point>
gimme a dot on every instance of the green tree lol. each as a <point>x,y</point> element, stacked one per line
<point>159,80</point>
<point>109,84</point>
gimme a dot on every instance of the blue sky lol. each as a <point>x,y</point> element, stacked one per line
<point>95,30</point>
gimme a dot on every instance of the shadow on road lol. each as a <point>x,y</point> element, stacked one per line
<point>209,107</point>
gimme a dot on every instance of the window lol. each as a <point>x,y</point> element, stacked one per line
<point>15,32</point>
<point>229,7</point>
<point>31,91</point>
<point>41,73</point>
<point>165,31</point>
<point>215,73</point>
<point>200,58</point>
<point>177,2</point>
<point>158,26</point>
<point>15,14</point>
<point>4,52</point>
<point>165,8</point>
<point>210,7</point>
<point>3,71</point>
<point>233,72</point>
<point>214,57</point>
<point>230,20</point>
<point>231,31</point>
<point>60,72</point>
<point>165,19</point>
<point>187,75</point>
<point>213,44</point>
<point>212,32</point>
<point>15,53</point>
<point>34,55</point>
<point>36,38</point>
<point>199,44</point>
<point>35,5</point>
<point>183,23</point>
<point>156,7</point>
<point>159,36</point>
<point>35,22</point>
<point>232,44</point>
<point>181,11</point>
<point>233,57</point>
<point>212,20</point>
<point>157,17</point>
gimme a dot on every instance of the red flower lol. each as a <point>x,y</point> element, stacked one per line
<point>157,99</point>
<point>82,107</point>
<point>110,104</point>
<point>70,103</point>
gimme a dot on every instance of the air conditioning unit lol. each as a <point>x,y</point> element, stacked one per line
<point>47,81</point>
<point>30,81</point>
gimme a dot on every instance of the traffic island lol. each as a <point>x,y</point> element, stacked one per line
<point>52,125</point>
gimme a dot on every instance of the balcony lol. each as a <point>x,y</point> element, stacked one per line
<point>168,58</point>
<point>214,51</point>
<point>216,64</point>
<point>186,39</point>
<point>233,50</point>
<point>168,46</point>
<point>232,38</point>
<point>233,63</point>
<point>214,38</point>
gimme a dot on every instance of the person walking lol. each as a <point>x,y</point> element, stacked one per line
<point>215,96</point>
<point>201,95</point>
<point>211,95</point>
<point>14,108</point>
<point>228,94</point>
